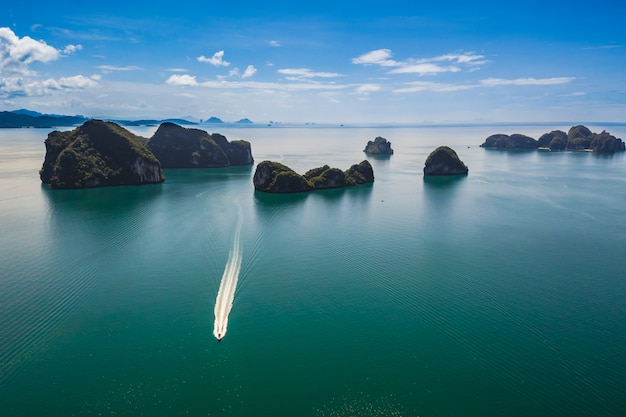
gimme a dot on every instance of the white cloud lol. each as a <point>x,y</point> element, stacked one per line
<point>18,86</point>
<point>273,86</point>
<point>493,82</point>
<point>233,72</point>
<point>419,86</point>
<point>70,49</point>
<point>115,68</point>
<point>275,43</point>
<point>76,82</point>
<point>368,88</point>
<point>423,69</point>
<point>249,72</point>
<point>377,57</point>
<point>217,59</point>
<point>177,70</point>
<point>17,53</point>
<point>423,66</point>
<point>182,80</point>
<point>307,73</point>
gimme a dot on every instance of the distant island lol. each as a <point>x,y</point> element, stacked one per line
<point>179,147</point>
<point>444,161</point>
<point>23,118</point>
<point>578,138</point>
<point>274,177</point>
<point>379,146</point>
<point>98,154</point>
<point>244,121</point>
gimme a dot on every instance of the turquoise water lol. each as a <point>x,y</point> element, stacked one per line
<point>502,293</point>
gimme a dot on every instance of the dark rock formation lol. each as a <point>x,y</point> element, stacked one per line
<point>514,141</point>
<point>273,177</point>
<point>380,146</point>
<point>579,138</point>
<point>444,161</point>
<point>98,154</point>
<point>555,140</point>
<point>606,143</point>
<point>179,147</point>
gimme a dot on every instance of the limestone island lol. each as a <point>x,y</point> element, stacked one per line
<point>379,146</point>
<point>274,177</point>
<point>444,161</point>
<point>578,138</point>
<point>98,154</point>
<point>179,147</point>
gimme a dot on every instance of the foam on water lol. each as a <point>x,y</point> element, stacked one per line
<point>228,285</point>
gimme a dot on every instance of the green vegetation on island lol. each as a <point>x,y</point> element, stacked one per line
<point>578,138</point>
<point>274,177</point>
<point>98,154</point>
<point>444,161</point>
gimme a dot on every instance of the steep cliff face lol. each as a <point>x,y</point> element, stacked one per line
<point>273,177</point>
<point>444,161</point>
<point>98,154</point>
<point>179,147</point>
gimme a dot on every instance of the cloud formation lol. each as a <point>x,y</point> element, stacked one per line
<point>184,80</point>
<point>422,66</point>
<point>17,53</point>
<point>217,59</point>
<point>115,68</point>
<point>419,86</point>
<point>299,73</point>
<point>249,72</point>
<point>18,86</point>
<point>17,79</point>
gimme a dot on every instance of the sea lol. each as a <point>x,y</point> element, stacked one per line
<point>499,293</point>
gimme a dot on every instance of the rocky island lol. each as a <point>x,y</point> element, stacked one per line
<point>98,154</point>
<point>578,138</point>
<point>179,147</point>
<point>444,161</point>
<point>379,146</point>
<point>274,177</point>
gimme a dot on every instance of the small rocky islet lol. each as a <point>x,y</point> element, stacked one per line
<point>444,161</point>
<point>578,138</point>
<point>379,146</point>
<point>274,177</point>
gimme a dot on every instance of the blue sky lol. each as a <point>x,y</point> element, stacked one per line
<point>335,62</point>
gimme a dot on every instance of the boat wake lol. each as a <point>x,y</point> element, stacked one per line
<point>228,285</point>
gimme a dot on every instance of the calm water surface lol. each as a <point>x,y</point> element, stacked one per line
<point>501,293</point>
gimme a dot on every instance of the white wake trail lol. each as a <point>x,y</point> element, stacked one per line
<point>228,286</point>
